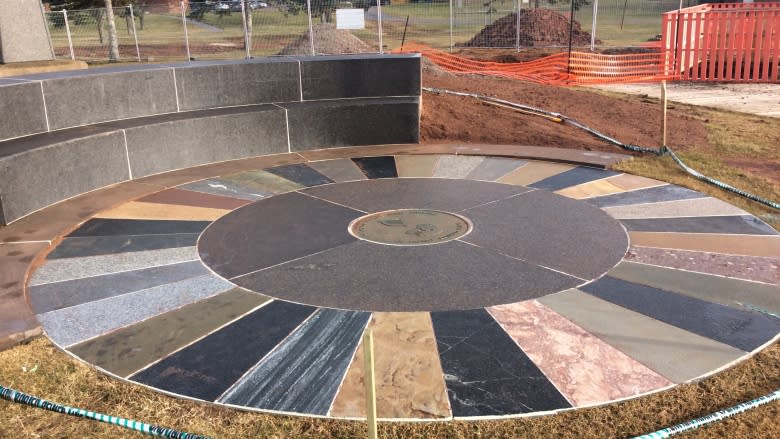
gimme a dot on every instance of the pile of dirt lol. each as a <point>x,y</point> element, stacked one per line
<point>538,27</point>
<point>327,41</point>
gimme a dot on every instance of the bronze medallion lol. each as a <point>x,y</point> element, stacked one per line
<point>410,227</point>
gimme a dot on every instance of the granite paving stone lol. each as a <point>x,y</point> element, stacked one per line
<point>447,276</point>
<point>743,267</point>
<point>105,245</point>
<point>493,168</point>
<point>742,329</point>
<point>78,323</point>
<point>16,318</point>
<point>409,380</point>
<point>485,372</point>
<point>338,169</point>
<point>456,166</point>
<point>131,348</point>
<point>225,188</point>
<point>301,174</point>
<point>193,198</point>
<point>649,195</point>
<point>304,372</point>
<point>583,367</point>
<point>377,167</point>
<point>591,189</point>
<point>416,165</point>
<point>706,206</point>
<point>208,367</point>
<point>264,182</point>
<point>737,225</point>
<point>532,172</point>
<point>729,292</point>
<point>748,245</point>
<point>415,193</point>
<point>629,182</point>
<point>157,211</point>
<point>283,228</point>
<point>108,227</point>
<point>51,296</point>
<point>572,177</point>
<point>677,354</point>
<point>59,270</point>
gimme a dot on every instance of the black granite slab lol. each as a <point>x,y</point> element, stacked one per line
<point>486,373</point>
<point>741,329</point>
<point>205,369</point>
<point>303,373</point>
<point>272,231</point>
<point>415,193</point>
<point>301,174</point>
<point>48,297</point>
<point>377,167</point>
<point>345,77</point>
<point>110,227</point>
<point>105,245</point>
<point>550,230</point>
<point>572,177</point>
<point>375,277</point>
<point>650,195</point>
<point>737,225</point>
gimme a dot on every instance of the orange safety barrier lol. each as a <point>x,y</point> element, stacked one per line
<point>559,69</point>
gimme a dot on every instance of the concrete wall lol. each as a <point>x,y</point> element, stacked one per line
<point>62,134</point>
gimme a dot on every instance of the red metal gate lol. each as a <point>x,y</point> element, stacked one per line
<point>723,42</point>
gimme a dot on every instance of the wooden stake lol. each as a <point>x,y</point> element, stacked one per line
<point>368,372</point>
<point>663,123</point>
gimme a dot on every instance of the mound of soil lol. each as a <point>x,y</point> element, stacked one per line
<point>538,27</point>
<point>327,41</point>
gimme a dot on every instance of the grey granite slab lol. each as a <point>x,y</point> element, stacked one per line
<point>300,173</point>
<point>742,329</point>
<point>656,194</point>
<point>677,354</point>
<point>456,166</point>
<point>736,225</point>
<point>48,297</point>
<point>415,193</point>
<point>128,227</point>
<point>263,182</point>
<point>670,209</point>
<point>339,169</point>
<point>24,34</point>
<point>21,105</point>
<point>59,270</point>
<point>493,168</point>
<point>227,188</point>
<point>572,177</point>
<point>75,324</point>
<point>105,245</point>
<point>304,372</point>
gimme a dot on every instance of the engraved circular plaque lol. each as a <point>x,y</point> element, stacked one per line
<point>410,227</point>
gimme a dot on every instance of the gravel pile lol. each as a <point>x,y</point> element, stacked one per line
<point>328,41</point>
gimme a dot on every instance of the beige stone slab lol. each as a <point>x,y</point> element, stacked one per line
<point>158,211</point>
<point>339,169</point>
<point>591,189</point>
<point>749,245</point>
<point>629,182</point>
<point>416,165</point>
<point>585,369</point>
<point>679,208</point>
<point>532,172</point>
<point>676,354</point>
<point>409,378</point>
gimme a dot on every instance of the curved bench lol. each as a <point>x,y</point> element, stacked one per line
<point>64,134</point>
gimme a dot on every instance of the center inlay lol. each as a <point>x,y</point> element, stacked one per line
<point>410,227</point>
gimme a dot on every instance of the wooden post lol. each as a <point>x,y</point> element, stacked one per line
<point>368,371</point>
<point>663,123</point>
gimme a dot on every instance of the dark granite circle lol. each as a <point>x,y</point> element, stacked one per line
<point>327,249</point>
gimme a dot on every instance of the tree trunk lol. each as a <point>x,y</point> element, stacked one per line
<point>248,17</point>
<point>113,40</point>
<point>99,20</point>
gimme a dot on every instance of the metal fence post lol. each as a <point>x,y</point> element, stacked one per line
<point>247,51</point>
<point>593,26</point>
<point>67,32</point>
<point>311,28</point>
<point>379,25</point>
<point>517,28</point>
<point>186,35</point>
<point>135,35</point>
<point>451,25</point>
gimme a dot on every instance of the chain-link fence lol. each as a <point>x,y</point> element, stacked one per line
<point>85,34</point>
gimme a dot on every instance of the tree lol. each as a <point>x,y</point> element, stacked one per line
<point>319,8</point>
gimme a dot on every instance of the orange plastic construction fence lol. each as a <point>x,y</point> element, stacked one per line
<point>559,69</point>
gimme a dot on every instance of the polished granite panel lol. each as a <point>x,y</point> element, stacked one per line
<point>59,270</point>
<point>131,348</point>
<point>583,367</point>
<point>532,172</point>
<point>736,225</point>
<point>283,228</point>
<point>409,380</point>
<point>338,169</point>
<point>304,372</point>
<point>416,165</point>
<point>550,230</point>
<point>649,195</point>
<point>48,297</point>
<point>365,276</point>
<point>456,166</point>
<point>15,315</point>
<point>741,329</point>
<point>493,168</point>
<point>67,326</point>
<point>729,292</point>
<point>591,189</point>
<point>192,198</point>
<point>301,174</point>
<point>360,76</point>
<point>108,227</point>
<point>415,193</point>
<point>263,182</point>
<point>377,167</point>
<point>156,211</point>
<point>81,246</point>
<point>572,177</point>
<point>748,245</point>
<point>629,182</point>
<point>225,188</point>
<point>677,354</point>
<point>207,368</point>
<point>706,206</point>
<point>485,372</point>
<point>743,267</point>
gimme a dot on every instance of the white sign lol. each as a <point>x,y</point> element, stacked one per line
<point>350,19</point>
